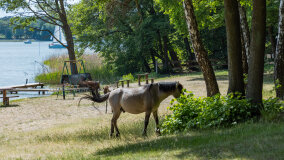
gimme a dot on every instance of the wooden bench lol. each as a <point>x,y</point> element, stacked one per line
<point>5,97</point>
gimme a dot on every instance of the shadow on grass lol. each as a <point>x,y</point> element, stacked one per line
<point>255,141</point>
<point>12,105</point>
<point>89,135</point>
<point>219,77</point>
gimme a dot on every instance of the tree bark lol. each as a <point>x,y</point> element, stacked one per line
<point>68,35</point>
<point>199,50</point>
<point>272,41</point>
<point>245,29</point>
<point>244,56</point>
<point>232,19</point>
<point>257,48</point>
<point>279,57</point>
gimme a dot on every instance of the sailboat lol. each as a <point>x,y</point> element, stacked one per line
<point>58,33</point>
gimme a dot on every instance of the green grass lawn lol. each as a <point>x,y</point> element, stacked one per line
<point>89,139</point>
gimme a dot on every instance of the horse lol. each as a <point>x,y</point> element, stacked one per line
<point>138,100</point>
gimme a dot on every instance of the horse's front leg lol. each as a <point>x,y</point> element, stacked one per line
<point>147,116</point>
<point>155,114</point>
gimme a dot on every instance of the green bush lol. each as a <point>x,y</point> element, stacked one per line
<point>128,77</point>
<point>48,78</point>
<point>191,112</point>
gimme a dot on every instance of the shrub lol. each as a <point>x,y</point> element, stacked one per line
<point>128,77</point>
<point>49,78</point>
<point>191,112</point>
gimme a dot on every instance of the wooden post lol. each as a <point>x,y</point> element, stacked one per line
<point>127,83</point>
<point>139,77</point>
<point>5,99</point>
<point>146,77</point>
<point>152,80</point>
<point>63,92</point>
<point>122,84</point>
<point>117,84</point>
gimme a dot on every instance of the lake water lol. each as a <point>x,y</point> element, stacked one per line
<point>19,61</point>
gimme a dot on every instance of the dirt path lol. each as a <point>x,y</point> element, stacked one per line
<point>39,113</point>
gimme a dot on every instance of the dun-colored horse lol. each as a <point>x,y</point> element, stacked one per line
<point>138,100</point>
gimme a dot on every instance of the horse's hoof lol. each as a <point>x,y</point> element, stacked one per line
<point>158,132</point>
<point>110,135</point>
<point>117,135</point>
<point>144,134</point>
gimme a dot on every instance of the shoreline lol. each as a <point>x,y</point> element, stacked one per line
<point>20,40</point>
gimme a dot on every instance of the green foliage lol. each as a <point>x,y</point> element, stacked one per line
<point>218,111</point>
<point>48,78</point>
<point>128,77</point>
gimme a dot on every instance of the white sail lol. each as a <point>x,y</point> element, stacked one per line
<point>58,33</point>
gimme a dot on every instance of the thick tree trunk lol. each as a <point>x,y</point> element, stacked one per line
<point>257,48</point>
<point>68,35</point>
<point>232,19</point>
<point>272,41</point>
<point>245,29</point>
<point>279,57</point>
<point>199,50</point>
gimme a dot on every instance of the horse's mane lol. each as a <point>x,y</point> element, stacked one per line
<point>168,86</point>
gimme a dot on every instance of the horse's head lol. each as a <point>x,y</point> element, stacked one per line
<point>178,90</point>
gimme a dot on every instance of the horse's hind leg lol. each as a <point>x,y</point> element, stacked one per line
<point>147,116</point>
<point>155,114</point>
<point>115,116</point>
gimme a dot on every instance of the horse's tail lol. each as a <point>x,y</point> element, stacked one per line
<point>95,98</point>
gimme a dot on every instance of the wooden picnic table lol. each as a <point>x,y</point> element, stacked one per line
<point>5,98</point>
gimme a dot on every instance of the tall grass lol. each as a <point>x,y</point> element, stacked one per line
<point>93,64</point>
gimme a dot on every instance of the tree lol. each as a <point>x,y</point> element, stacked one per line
<point>52,12</point>
<point>200,52</point>
<point>257,48</point>
<point>245,35</point>
<point>279,57</point>
<point>232,19</point>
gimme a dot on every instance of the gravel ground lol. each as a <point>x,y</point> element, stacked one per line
<point>39,113</point>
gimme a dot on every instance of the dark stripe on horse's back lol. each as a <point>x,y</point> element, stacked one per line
<point>167,86</point>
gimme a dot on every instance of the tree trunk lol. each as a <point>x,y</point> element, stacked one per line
<point>279,57</point>
<point>146,65</point>
<point>69,37</point>
<point>188,49</point>
<point>257,48</point>
<point>272,41</point>
<point>244,56</point>
<point>153,58</point>
<point>166,63</point>
<point>173,54</point>
<point>245,29</point>
<point>199,50</point>
<point>232,19</point>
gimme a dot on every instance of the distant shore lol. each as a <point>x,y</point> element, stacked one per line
<point>18,40</point>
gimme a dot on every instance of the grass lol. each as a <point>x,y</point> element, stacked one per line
<point>88,139</point>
